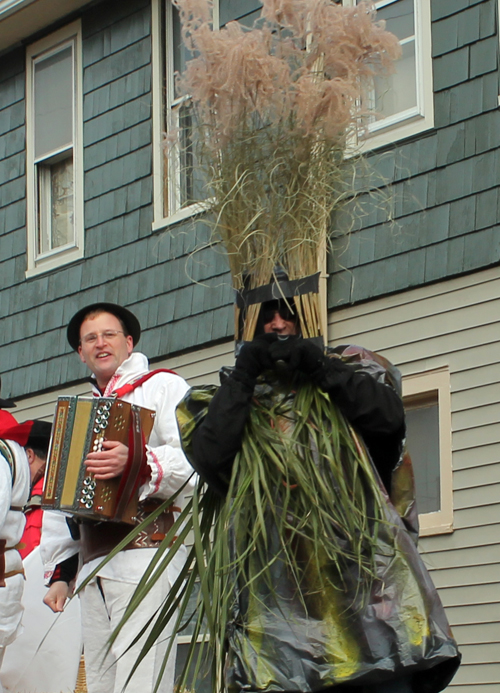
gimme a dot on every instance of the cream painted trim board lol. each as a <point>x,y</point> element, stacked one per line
<point>157,108</point>
<point>429,382</point>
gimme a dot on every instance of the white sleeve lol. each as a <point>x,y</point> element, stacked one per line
<point>56,543</point>
<point>5,490</point>
<point>169,467</point>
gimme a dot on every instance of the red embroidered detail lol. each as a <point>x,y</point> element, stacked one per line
<point>160,472</point>
<point>110,386</point>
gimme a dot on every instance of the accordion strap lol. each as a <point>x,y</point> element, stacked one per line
<point>130,387</point>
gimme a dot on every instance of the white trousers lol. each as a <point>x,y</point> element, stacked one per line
<point>103,602</point>
<point>2,652</point>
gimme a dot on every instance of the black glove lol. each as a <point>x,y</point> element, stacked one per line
<point>254,358</point>
<point>299,354</point>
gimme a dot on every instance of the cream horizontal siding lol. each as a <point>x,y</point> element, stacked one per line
<point>489,473</point>
<point>454,325</point>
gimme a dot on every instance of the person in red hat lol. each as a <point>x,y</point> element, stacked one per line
<point>104,335</point>
<point>16,475</point>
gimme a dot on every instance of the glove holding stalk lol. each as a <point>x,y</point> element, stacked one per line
<point>268,351</point>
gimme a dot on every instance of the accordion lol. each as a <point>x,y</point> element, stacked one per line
<point>81,425</point>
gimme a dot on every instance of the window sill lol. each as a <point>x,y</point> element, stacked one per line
<point>182,214</point>
<point>431,525</point>
<point>53,263</point>
<point>395,133</point>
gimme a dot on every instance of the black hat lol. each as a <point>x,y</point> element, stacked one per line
<point>131,323</point>
<point>39,436</point>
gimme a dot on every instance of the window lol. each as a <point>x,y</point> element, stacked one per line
<point>178,186</point>
<point>403,102</point>
<point>54,162</point>
<point>428,418</point>
<point>182,186</point>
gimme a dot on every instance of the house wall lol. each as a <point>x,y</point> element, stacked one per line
<point>444,187</point>
<point>199,367</point>
<point>392,288</point>
<point>456,325</point>
<point>183,301</point>
<point>441,216</point>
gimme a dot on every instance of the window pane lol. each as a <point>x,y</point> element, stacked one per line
<point>181,53</point>
<point>398,92</point>
<point>423,445</point>
<point>53,95</point>
<point>244,11</point>
<point>191,184</point>
<point>55,205</point>
<point>399,17</point>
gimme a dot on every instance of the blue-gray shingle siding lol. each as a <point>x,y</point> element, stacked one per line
<point>445,182</point>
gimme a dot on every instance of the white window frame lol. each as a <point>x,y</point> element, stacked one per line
<point>162,165</point>
<point>39,263</point>
<point>421,117</point>
<point>436,383</point>
<point>498,36</point>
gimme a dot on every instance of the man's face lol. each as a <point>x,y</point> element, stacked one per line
<point>279,321</point>
<point>103,355</point>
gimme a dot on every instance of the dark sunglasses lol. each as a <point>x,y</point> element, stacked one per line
<point>283,309</point>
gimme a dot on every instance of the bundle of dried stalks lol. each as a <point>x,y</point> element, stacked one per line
<point>274,108</point>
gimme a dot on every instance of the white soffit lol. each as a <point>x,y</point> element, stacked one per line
<point>20,19</point>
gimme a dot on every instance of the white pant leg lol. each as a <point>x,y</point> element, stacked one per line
<point>2,652</point>
<point>116,598</point>
<point>11,609</point>
<point>100,673</point>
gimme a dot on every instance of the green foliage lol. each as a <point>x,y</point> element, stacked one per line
<point>303,498</point>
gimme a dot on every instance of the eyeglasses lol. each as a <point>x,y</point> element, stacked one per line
<point>107,335</point>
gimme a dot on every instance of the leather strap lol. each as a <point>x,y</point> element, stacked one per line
<point>99,538</point>
<point>10,573</point>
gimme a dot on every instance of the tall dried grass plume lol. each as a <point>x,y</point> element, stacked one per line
<point>274,109</point>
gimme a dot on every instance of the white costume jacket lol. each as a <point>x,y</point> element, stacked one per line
<point>14,494</point>
<point>169,471</point>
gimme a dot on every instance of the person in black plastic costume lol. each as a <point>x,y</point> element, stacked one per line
<point>372,407</point>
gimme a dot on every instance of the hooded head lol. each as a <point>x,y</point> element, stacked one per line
<point>294,302</point>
